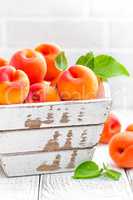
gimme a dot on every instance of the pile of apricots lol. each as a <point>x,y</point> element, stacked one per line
<point>120,142</point>
<point>31,75</point>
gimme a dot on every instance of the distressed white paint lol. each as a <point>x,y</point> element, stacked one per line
<point>27,164</point>
<point>16,117</point>
<point>54,138</point>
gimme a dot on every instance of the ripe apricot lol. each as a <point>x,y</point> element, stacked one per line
<point>14,85</point>
<point>111,127</point>
<point>50,51</point>
<point>32,63</point>
<point>121,149</point>
<point>3,62</point>
<point>42,92</point>
<point>129,127</point>
<point>54,81</point>
<point>77,83</point>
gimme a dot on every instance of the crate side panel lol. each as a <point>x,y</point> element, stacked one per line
<point>55,115</point>
<point>50,139</point>
<point>39,163</point>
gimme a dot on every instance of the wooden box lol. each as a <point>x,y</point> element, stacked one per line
<point>50,137</point>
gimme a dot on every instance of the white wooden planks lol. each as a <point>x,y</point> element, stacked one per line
<point>24,188</point>
<point>130,177</point>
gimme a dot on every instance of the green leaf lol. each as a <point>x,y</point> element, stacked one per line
<point>110,173</point>
<point>86,60</point>
<point>106,66</point>
<point>88,169</point>
<point>61,61</point>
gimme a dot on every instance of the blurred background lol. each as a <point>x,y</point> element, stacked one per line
<point>79,26</point>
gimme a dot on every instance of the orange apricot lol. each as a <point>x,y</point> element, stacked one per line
<point>111,127</point>
<point>3,62</point>
<point>77,83</point>
<point>31,62</point>
<point>121,149</point>
<point>129,127</point>
<point>42,92</point>
<point>14,85</point>
<point>50,51</point>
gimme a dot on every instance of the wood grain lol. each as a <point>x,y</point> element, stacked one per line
<point>130,177</point>
<point>24,188</point>
<point>62,186</point>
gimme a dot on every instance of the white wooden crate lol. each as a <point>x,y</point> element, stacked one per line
<point>50,137</point>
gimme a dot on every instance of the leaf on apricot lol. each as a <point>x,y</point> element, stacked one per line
<point>86,60</point>
<point>106,66</point>
<point>61,61</point>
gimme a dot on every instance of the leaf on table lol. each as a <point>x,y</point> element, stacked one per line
<point>110,173</point>
<point>88,169</point>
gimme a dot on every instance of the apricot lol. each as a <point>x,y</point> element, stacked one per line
<point>14,85</point>
<point>77,83</point>
<point>111,127</point>
<point>129,127</point>
<point>50,51</point>
<point>42,92</point>
<point>54,81</point>
<point>121,149</point>
<point>3,62</point>
<point>32,63</point>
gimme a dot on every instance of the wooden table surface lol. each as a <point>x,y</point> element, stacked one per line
<point>63,187</point>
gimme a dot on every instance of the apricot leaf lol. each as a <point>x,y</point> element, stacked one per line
<point>110,173</point>
<point>88,169</point>
<point>106,66</point>
<point>61,61</point>
<point>86,60</point>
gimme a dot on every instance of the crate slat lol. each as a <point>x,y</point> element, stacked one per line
<point>54,114</point>
<point>53,139</point>
<point>47,162</point>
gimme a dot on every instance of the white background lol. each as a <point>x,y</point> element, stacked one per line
<point>102,26</point>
